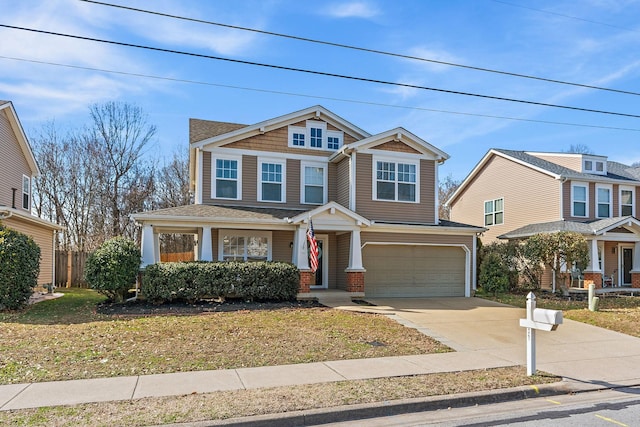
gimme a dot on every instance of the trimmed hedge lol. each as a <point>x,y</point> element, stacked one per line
<point>112,269</point>
<point>19,268</point>
<point>193,281</point>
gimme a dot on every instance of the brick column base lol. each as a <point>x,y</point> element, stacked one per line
<point>635,280</point>
<point>306,279</point>
<point>595,278</point>
<point>355,281</point>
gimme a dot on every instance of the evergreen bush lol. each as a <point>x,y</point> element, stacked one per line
<point>19,268</point>
<point>113,267</point>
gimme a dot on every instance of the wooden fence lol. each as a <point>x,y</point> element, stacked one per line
<point>70,268</point>
<point>177,256</point>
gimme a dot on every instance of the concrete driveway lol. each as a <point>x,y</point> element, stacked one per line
<point>575,350</point>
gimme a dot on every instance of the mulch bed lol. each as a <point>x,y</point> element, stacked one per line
<point>143,308</point>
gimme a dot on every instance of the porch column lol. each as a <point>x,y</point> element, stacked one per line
<point>593,274</point>
<point>206,253</point>
<point>355,271</point>
<point>635,270</point>
<point>148,250</point>
<point>301,260</point>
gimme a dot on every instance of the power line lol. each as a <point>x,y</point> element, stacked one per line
<point>559,14</point>
<point>363,49</point>
<point>301,95</point>
<point>323,73</point>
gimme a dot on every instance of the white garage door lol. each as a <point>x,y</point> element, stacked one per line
<point>414,271</point>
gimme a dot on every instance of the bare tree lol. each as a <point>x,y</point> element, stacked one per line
<point>446,188</point>
<point>579,149</point>
<point>122,133</point>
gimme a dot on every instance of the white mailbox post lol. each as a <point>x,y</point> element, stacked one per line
<point>537,318</point>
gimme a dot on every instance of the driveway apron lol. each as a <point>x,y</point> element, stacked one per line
<point>575,351</point>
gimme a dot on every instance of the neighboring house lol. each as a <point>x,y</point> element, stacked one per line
<point>17,169</point>
<point>372,200</point>
<point>516,194</point>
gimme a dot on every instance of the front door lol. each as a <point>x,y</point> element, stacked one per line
<point>627,265</point>
<point>323,257</point>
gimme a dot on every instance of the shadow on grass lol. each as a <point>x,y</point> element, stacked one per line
<point>76,306</point>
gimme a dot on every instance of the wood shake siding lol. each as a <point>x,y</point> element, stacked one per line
<point>43,238</point>
<point>397,147</point>
<point>14,165</point>
<point>423,212</point>
<point>275,141</point>
<point>529,197</point>
<point>342,184</point>
<point>573,162</point>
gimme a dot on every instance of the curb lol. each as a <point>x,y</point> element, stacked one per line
<point>335,414</point>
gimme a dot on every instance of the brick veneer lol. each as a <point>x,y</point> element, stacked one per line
<point>635,280</point>
<point>355,281</point>
<point>595,278</point>
<point>306,279</point>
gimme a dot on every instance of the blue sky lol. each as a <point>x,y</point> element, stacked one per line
<point>593,42</point>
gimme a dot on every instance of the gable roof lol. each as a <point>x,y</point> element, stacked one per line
<point>596,227</point>
<point>616,172</point>
<point>16,126</point>
<point>243,132</point>
<point>398,134</point>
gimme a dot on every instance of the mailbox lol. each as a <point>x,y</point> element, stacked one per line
<point>552,317</point>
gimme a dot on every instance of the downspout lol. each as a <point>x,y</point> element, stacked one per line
<point>562,180</point>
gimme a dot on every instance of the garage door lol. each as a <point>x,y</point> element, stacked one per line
<point>414,271</point>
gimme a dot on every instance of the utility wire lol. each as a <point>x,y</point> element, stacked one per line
<point>301,95</point>
<point>363,49</point>
<point>560,14</point>
<point>322,73</point>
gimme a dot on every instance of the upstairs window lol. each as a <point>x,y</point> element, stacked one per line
<point>494,212</point>
<point>226,179</point>
<point>26,192</point>
<point>315,135</point>
<point>603,202</point>
<point>395,181</point>
<point>627,201</point>
<point>314,184</point>
<point>271,181</point>
<point>579,200</point>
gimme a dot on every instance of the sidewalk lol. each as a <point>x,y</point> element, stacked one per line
<point>21,396</point>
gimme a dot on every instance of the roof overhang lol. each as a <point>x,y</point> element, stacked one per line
<point>331,215</point>
<point>6,213</point>
<point>398,134</point>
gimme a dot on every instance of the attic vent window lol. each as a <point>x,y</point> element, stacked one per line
<point>599,167</point>
<point>315,135</point>
<point>588,165</point>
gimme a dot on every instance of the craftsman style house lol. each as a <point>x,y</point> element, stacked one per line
<point>516,194</point>
<point>372,201</point>
<point>17,169</point>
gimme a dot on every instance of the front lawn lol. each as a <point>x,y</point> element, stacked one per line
<point>66,338</point>
<point>617,313</point>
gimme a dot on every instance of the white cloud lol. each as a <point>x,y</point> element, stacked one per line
<point>355,9</point>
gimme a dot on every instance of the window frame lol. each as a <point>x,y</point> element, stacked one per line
<point>396,161</point>
<point>633,199</point>
<point>246,234</point>
<point>325,178</point>
<point>283,184</point>
<point>493,212</point>
<point>584,185</point>
<point>26,192</point>
<point>306,131</point>
<point>214,178</point>
<point>609,188</point>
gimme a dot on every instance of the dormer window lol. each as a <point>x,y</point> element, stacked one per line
<point>315,135</point>
<point>594,165</point>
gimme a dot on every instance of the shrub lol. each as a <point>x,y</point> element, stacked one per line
<point>19,268</point>
<point>113,267</point>
<point>192,281</point>
<point>494,274</point>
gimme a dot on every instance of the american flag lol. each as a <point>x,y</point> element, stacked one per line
<point>313,248</point>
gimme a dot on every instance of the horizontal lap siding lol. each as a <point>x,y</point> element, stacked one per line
<point>529,197</point>
<point>342,184</point>
<point>343,243</point>
<point>43,238</point>
<point>281,246</point>
<point>13,166</point>
<point>423,212</point>
<point>570,162</point>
